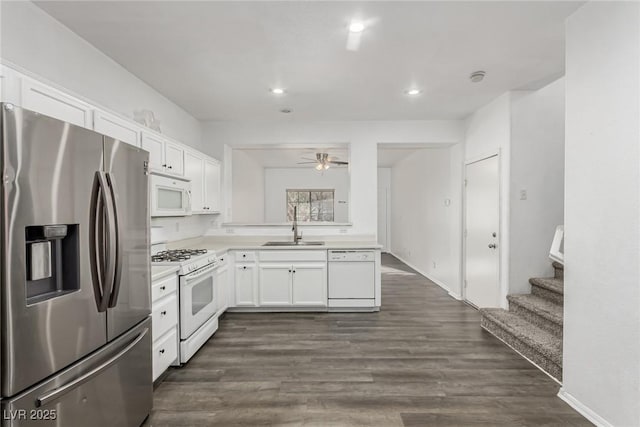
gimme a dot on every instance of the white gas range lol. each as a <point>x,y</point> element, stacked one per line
<point>197,294</point>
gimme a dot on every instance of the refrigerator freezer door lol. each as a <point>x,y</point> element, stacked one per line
<point>112,387</point>
<point>48,167</point>
<point>130,301</point>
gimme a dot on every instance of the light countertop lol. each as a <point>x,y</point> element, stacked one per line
<point>160,271</point>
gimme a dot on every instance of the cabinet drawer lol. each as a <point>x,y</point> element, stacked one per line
<point>245,256</point>
<point>164,315</point>
<point>165,351</point>
<point>163,287</point>
<point>293,256</point>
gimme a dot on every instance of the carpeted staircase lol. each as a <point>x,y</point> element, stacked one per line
<point>533,324</point>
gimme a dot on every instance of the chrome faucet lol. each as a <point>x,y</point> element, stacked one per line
<point>296,237</point>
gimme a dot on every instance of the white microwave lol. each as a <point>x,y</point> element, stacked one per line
<point>170,196</point>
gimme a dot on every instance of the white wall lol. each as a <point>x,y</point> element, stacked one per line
<point>247,189</point>
<point>488,132</point>
<point>421,221</point>
<point>278,180</point>
<point>537,167</point>
<point>602,213</point>
<point>362,137</point>
<point>384,227</point>
<point>34,41</point>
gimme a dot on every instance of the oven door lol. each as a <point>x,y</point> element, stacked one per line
<point>170,196</point>
<point>197,299</point>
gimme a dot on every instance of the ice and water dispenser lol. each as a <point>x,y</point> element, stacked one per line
<point>52,258</point>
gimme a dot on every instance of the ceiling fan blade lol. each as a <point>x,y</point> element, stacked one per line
<point>335,162</point>
<point>306,163</point>
<point>306,158</point>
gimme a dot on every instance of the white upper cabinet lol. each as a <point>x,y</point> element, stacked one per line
<point>155,146</point>
<point>164,156</point>
<point>194,170</point>
<point>38,97</point>
<point>116,127</point>
<point>212,186</point>
<point>173,158</point>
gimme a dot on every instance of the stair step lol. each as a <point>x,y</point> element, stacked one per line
<point>541,312</point>
<point>538,345</point>
<point>548,288</point>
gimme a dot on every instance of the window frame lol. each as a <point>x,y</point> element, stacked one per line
<point>311,190</point>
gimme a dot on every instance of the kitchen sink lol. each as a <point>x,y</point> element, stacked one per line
<point>300,243</point>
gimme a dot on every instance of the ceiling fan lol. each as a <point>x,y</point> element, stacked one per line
<point>323,161</point>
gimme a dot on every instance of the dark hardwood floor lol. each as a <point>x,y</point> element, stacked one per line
<point>421,361</point>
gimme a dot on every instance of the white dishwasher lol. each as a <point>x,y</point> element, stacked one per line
<point>351,275</point>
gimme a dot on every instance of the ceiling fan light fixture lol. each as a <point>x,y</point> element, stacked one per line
<point>326,166</point>
<point>277,91</point>
<point>319,167</point>
<point>356,27</point>
<point>413,92</point>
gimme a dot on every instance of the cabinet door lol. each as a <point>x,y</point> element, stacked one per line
<point>54,103</point>
<point>245,284</point>
<point>194,170</point>
<point>155,146</point>
<point>174,158</point>
<point>212,185</point>
<point>115,127</point>
<point>275,284</point>
<point>310,284</point>
<point>223,288</point>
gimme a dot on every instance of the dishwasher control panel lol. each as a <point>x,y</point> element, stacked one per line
<point>351,256</point>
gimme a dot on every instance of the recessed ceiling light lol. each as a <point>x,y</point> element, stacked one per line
<point>413,92</point>
<point>356,27</point>
<point>286,110</point>
<point>277,91</point>
<point>477,76</point>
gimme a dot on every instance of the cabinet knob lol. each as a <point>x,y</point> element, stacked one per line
<point>244,267</point>
<point>244,255</point>
<point>294,271</point>
<point>289,271</point>
<point>170,167</point>
<point>164,313</point>
<point>164,166</point>
<point>162,351</point>
<point>162,288</point>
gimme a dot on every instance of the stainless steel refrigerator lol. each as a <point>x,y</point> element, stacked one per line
<point>74,276</point>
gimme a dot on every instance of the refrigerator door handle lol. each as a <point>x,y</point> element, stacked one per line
<point>57,393</point>
<point>102,264</point>
<point>118,244</point>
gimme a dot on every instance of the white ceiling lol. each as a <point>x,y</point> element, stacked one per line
<point>218,59</point>
<point>289,157</point>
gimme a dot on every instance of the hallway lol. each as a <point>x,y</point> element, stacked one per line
<point>422,361</point>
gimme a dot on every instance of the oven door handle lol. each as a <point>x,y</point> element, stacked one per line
<point>189,276</point>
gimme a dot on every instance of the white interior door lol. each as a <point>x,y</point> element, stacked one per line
<point>383,218</point>
<point>482,213</point>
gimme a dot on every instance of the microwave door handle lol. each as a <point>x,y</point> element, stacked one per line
<point>113,300</point>
<point>189,197</point>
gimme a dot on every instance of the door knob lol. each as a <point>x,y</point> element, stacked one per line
<point>492,246</point>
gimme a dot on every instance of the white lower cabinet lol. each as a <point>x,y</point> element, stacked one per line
<point>275,284</point>
<point>164,318</point>
<point>245,279</point>
<point>222,288</point>
<point>309,287</point>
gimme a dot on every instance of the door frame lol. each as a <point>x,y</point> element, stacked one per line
<point>387,192</point>
<point>502,237</point>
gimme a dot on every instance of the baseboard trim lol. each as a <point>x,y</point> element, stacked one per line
<point>583,409</point>
<point>422,273</point>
